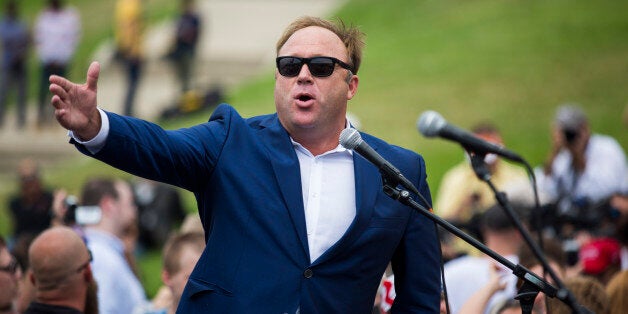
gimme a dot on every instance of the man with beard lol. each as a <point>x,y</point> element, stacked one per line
<point>61,273</point>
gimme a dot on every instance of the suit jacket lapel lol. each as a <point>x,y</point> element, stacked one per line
<point>287,173</point>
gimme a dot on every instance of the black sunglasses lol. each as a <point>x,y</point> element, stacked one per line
<point>318,66</point>
<point>11,268</point>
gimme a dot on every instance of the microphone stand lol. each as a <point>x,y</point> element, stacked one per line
<point>527,293</point>
<point>532,284</point>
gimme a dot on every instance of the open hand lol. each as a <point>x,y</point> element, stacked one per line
<point>75,105</point>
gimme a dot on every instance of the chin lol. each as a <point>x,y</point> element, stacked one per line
<point>304,122</point>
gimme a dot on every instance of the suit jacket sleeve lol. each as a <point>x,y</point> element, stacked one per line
<point>416,262</point>
<point>183,157</point>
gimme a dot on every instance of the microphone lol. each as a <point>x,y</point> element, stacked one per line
<point>432,124</point>
<point>351,139</point>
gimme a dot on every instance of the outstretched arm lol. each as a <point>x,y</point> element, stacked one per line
<point>75,105</point>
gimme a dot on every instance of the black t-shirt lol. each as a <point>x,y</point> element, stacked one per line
<point>40,308</point>
<point>31,218</point>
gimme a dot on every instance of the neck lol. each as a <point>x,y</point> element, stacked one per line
<point>62,298</point>
<point>318,147</point>
<point>108,226</point>
<point>173,308</point>
<point>318,143</point>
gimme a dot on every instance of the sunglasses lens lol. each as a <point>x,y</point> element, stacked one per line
<point>321,67</point>
<point>318,66</point>
<point>289,67</point>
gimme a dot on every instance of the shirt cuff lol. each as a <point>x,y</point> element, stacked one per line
<point>98,142</point>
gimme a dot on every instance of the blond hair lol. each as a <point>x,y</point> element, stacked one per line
<point>174,247</point>
<point>588,291</point>
<point>617,291</point>
<point>351,36</point>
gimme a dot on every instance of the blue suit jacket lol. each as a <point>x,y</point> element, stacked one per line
<point>245,176</point>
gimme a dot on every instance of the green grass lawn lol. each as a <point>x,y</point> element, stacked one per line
<point>509,62</point>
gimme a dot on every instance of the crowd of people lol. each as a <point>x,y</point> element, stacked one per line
<point>582,224</point>
<point>55,37</point>
<point>293,222</point>
<point>82,257</point>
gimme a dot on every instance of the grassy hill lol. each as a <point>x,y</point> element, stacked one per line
<point>510,62</point>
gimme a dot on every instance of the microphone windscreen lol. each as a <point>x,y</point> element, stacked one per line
<point>350,138</point>
<point>430,123</point>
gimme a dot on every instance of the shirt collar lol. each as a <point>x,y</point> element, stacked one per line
<point>338,149</point>
<point>109,239</point>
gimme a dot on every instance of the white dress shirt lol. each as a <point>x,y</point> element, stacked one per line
<point>330,175</point>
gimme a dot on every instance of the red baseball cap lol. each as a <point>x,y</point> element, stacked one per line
<point>598,255</point>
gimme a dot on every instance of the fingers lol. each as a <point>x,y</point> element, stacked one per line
<point>60,81</point>
<point>58,97</point>
<point>92,76</point>
<point>57,103</point>
<point>59,91</point>
<point>58,207</point>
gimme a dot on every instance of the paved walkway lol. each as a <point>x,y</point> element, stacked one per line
<point>238,42</point>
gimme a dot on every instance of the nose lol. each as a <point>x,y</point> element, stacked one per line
<point>19,273</point>
<point>304,75</point>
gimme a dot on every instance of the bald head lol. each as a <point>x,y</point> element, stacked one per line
<point>55,256</point>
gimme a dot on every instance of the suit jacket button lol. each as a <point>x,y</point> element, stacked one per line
<point>308,273</point>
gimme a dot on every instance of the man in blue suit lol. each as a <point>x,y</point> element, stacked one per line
<point>294,222</point>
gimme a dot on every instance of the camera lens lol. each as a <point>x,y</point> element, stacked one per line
<point>570,135</point>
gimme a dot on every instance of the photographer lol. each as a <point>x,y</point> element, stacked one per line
<point>583,169</point>
<point>66,211</point>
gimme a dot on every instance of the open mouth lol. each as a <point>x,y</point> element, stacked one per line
<point>304,97</point>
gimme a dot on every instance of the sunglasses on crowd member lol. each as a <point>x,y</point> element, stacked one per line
<point>11,268</point>
<point>318,66</point>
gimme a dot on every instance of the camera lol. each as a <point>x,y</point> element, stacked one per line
<point>81,215</point>
<point>570,215</point>
<point>570,135</point>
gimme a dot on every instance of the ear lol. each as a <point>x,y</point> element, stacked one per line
<point>87,274</point>
<point>31,278</point>
<point>107,206</point>
<point>353,86</point>
<point>165,277</point>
